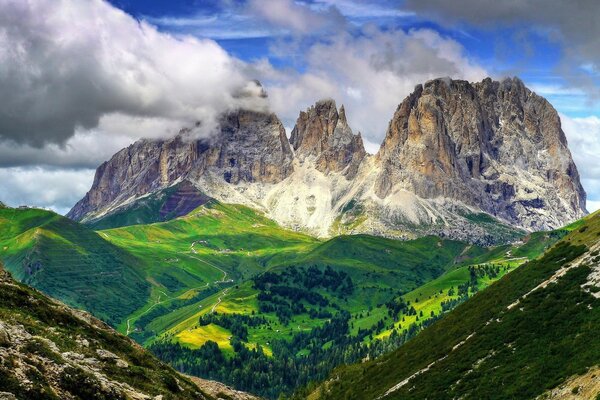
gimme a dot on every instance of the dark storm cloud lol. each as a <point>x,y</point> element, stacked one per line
<point>65,64</point>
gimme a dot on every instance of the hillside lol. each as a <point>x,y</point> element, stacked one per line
<point>230,285</point>
<point>175,201</point>
<point>50,351</point>
<point>522,337</point>
<point>339,302</point>
<point>70,262</point>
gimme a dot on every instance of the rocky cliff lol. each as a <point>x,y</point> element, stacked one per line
<point>476,161</point>
<point>322,134</point>
<point>249,147</point>
<point>495,146</point>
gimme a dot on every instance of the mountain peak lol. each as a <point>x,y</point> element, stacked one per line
<point>323,133</point>
<point>470,141</point>
<point>342,115</point>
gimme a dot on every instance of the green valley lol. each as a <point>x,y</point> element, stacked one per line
<point>225,293</point>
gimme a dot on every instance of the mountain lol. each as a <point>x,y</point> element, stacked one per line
<point>482,162</point>
<point>250,147</point>
<point>50,351</point>
<point>495,146</point>
<point>532,334</point>
<point>324,134</point>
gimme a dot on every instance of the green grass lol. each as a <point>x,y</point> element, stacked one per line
<point>70,262</point>
<point>231,243</point>
<point>380,269</point>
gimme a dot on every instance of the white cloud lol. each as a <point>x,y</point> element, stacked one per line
<point>583,135</point>
<point>295,17</point>
<point>68,63</point>
<point>593,205</point>
<point>54,189</point>
<point>365,9</point>
<point>370,73</point>
<point>88,148</point>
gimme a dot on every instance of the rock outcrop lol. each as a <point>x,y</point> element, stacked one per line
<point>495,146</point>
<point>475,161</point>
<point>323,135</point>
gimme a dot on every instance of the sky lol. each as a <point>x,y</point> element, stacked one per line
<point>81,79</point>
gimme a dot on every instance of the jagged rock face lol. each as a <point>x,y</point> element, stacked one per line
<point>495,146</point>
<point>323,133</point>
<point>250,147</point>
<point>453,150</point>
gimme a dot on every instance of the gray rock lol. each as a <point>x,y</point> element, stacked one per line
<point>249,147</point>
<point>496,146</point>
<point>106,355</point>
<point>4,336</point>
<point>323,133</point>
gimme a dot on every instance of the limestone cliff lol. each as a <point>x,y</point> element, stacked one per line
<point>495,146</point>
<point>323,134</point>
<point>249,147</point>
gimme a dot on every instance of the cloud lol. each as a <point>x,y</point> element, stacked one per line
<point>88,148</point>
<point>370,73</point>
<point>573,24</point>
<point>54,189</point>
<point>583,135</point>
<point>366,9</point>
<point>68,63</point>
<point>297,18</point>
<point>220,25</point>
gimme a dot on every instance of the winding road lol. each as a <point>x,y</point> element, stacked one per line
<point>158,302</point>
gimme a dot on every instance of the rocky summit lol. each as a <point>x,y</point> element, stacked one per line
<point>476,161</point>
<point>495,146</point>
<point>323,133</point>
<point>249,147</point>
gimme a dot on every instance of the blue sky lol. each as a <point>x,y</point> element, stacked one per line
<point>185,58</point>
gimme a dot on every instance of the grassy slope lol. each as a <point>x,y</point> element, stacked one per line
<point>505,353</point>
<point>379,267</point>
<point>230,244</point>
<point>70,262</point>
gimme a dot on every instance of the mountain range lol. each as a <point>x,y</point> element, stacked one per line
<point>458,261</point>
<point>482,162</point>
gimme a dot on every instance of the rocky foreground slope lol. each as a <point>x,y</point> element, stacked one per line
<point>476,161</point>
<point>51,351</point>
